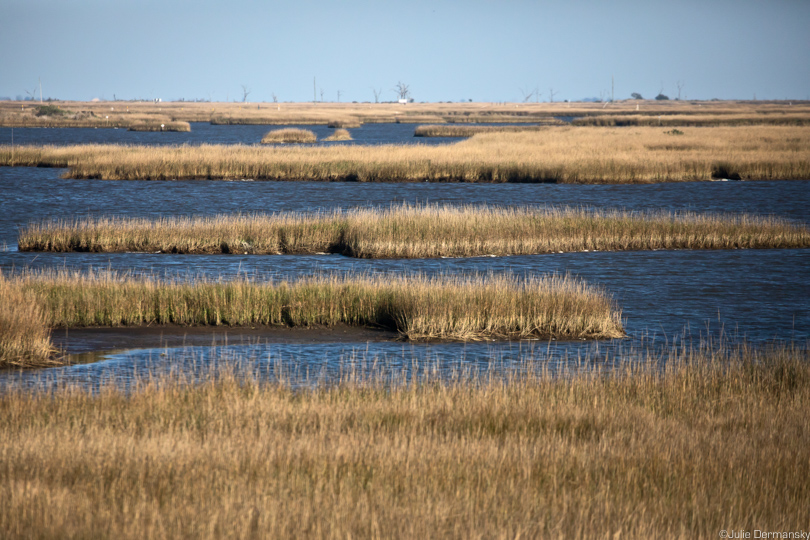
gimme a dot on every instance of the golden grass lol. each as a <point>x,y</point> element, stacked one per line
<point>719,440</point>
<point>339,135</point>
<point>417,307</point>
<point>418,232</point>
<point>564,154</point>
<point>24,335</point>
<point>289,135</point>
<point>469,131</point>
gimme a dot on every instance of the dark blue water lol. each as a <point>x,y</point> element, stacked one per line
<point>205,133</point>
<point>756,295</point>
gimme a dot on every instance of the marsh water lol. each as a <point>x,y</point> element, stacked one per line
<point>758,296</point>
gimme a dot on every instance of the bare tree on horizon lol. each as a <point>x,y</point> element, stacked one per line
<point>403,90</point>
<point>245,93</point>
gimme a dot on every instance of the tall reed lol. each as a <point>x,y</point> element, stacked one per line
<point>418,232</point>
<point>719,440</point>
<point>24,334</point>
<point>417,307</point>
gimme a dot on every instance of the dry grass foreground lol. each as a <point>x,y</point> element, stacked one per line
<point>418,232</point>
<point>720,440</point>
<point>417,307</point>
<point>564,154</point>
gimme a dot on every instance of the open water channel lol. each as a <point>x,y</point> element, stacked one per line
<point>666,296</point>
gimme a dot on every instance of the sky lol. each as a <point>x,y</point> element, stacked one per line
<point>444,50</point>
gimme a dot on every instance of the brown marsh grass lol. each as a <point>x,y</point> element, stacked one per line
<point>344,123</point>
<point>339,135</point>
<point>289,135</point>
<point>85,115</point>
<point>718,440</point>
<point>468,131</point>
<point>564,154</point>
<point>24,335</point>
<point>418,232</point>
<point>417,307</point>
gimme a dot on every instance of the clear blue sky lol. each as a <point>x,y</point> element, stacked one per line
<point>445,50</point>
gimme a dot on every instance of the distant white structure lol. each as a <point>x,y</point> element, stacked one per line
<point>403,101</point>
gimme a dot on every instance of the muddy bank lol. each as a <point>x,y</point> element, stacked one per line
<point>83,340</point>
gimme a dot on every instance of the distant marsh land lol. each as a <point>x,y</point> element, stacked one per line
<point>418,308</point>
<point>418,232</point>
<point>452,130</point>
<point>598,155</point>
<point>123,113</point>
<point>717,437</point>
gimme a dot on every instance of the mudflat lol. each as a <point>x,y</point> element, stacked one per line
<point>83,340</point>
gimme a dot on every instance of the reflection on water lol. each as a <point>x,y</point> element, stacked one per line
<point>302,364</point>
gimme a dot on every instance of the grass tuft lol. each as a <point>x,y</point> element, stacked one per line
<point>289,135</point>
<point>339,135</point>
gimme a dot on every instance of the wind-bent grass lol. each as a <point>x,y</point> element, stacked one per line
<point>564,154</point>
<point>468,131</point>
<point>419,232</point>
<point>339,135</point>
<point>289,135</point>
<point>417,307</point>
<point>718,440</point>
